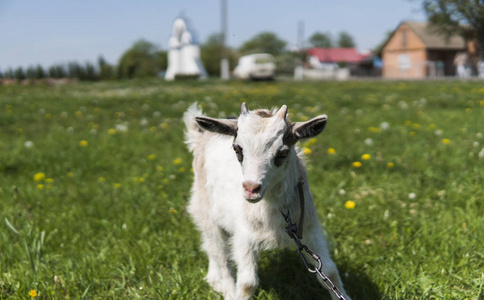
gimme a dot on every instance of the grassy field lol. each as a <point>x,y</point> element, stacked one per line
<point>95,179</point>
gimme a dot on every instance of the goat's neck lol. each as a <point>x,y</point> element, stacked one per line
<point>284,192</point>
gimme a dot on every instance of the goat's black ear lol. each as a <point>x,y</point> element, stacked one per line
<point>311,128</point>
<point>221,126</point>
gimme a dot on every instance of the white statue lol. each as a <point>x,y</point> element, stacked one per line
<point>183,53</point>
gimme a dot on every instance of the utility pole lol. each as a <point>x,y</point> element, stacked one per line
<point>224,63</point>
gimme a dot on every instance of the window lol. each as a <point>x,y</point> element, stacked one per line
<point>403,62</point>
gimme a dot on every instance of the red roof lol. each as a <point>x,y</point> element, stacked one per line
<point>337,55</point>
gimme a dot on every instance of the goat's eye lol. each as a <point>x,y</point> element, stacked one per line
<point>281,156</point>
<point>239,152</point>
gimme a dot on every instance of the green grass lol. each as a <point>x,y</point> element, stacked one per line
<point>108,221</point>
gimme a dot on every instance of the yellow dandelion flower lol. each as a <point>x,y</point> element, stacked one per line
<point>151,156</point>
<point>102,179</point>
<point>416,126</point>
<point>445,141</point>
<point>310,142</point>
<point>331,151</point>
<point>47,116</point>
<point>307,151</point>
<point>141,179</point>
<point>78,114</point>
<point>411,133</point>
<point>40,186</point>
<point>20,130</point>
<point>33,293</point>
<point>83,143</point>
<point>172,211</point>
<point>374,129</point>
<point>350,204</point>
<point>390,165</point>
<point>177,161</point>
<point>366,156</point>
<point>164,125</point>
<point>49,180</point>
<point>153,128</point>
<point>159,168</point>
<point>181,170</point>
<point>111,131</point>
<point>357,164</point>
<point>468,110</point>
<point>39,176</point>
<point>70,174</point>
<point>117,185</point>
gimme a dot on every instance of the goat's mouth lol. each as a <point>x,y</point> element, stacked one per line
<point>253,197</point>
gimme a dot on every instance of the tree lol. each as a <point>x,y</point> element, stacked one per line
<point>321,40</point>
<point>141,60</point>
<point>345,40</point>
<point>20,74</point>
<point>211,55</point>
<point>265,42</point>
<point>106,71</point>
<point>39,72</point>
<point>464,17</point>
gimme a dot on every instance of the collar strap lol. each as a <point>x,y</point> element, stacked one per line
<point>300,224</point>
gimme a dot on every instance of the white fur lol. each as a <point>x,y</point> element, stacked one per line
<point>234,229</point>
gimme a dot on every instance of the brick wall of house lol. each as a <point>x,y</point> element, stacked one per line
<point>404,56</point>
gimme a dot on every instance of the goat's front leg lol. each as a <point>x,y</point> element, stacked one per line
<point>246,256</point>
<point>316,242</point>
<point>219,274</point>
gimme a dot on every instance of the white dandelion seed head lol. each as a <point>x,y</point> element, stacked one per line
<point>63,114</point>
<point>70,129</point>
<point>438,132</point>
<point>121,127</point>
<point>478,135</point>
<point>28,144</point>
<point>145,106</point>
<point>156,114</point>
<point>143,122</point>
<point>412,196</point>
<point>475,144</point>
<point>384,125</point>
<point>481,154</point>
<point>342,192</point>
<point>368,141</point>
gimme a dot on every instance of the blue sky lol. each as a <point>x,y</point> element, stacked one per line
<point>47,32</point>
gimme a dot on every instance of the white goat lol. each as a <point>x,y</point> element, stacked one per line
<point>246,169</point>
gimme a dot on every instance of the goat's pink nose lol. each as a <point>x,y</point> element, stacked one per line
<point>251,187</point>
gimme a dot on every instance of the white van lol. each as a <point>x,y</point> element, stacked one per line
<point>257,66</point>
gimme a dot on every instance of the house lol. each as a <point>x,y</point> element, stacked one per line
<point>332,63</point>
<point>336,55</point>
<point>414,51</point>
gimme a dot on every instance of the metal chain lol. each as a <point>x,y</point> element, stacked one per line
<point>291,230</point>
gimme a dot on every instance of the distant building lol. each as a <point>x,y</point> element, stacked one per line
<point>332,63</point>
<point>337,55</point>
<point>414,51</point>
<point>183,53</point>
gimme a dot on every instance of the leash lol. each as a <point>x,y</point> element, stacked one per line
<point>295,232</point>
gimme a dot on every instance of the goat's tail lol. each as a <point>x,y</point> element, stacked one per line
<point>192,131</point>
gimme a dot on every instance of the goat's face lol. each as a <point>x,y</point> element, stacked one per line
<point>263,144</point>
